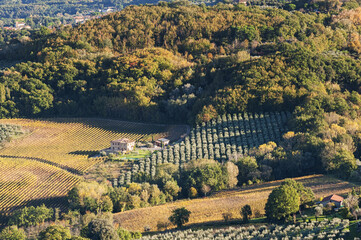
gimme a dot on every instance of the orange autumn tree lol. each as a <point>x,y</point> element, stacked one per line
<point>208,112</point>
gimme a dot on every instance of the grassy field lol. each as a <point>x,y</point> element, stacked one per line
<point>68,143</point>
<point>211,208</point>
<point>138,153</point>
<point>43,165</point>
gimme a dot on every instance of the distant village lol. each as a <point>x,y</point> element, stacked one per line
<point>75,19</point>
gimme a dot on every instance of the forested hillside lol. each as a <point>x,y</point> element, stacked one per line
<point>177,62</point>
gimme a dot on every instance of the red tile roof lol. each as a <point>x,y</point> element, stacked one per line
<point>333,197</point>
<point>123,140</point>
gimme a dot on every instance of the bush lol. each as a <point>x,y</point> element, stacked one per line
<point>12,233</point>
<point>55,232</point>
<point>227,216</point>
<point>163,225</point>
<point>102,229</point>
<point>31,216</point>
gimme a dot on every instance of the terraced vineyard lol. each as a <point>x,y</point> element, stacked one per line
<point>23,181</point>
<point>221,139</point>
<point>44,164</point>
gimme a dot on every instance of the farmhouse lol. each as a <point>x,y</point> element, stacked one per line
<point>122,145</point>
<point>162,142</point>
<point>336,199</point>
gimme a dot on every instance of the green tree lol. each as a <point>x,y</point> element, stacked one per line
<point>282,202</point>
<point>248,168</point>
<point>342,163</point>
<point>105,204</point>
<point>90,196</point>
<point>171,189</point>
<point>12,233</point>
<point>124,234</point>
<point>306,194</point>
<point>246,213</point>
<point>128,235</point>
<point>180,216</point>
<point>102,229</point>
<point>199,173</point>
<point>55,233</point>
<point>31,216</point>
<point>291,7</point>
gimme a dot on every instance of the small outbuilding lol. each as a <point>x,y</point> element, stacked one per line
<point>122,145</point>
<point>162,142</point>
<point>336,199</point>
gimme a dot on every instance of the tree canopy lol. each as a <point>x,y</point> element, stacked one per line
<point>180,216</point>
<point>282,202</point>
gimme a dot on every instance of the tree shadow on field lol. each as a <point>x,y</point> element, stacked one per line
<point>117,126</point>
<point>143,130</point>
<point>84,152</point>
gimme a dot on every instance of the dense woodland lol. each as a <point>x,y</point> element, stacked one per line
<point>177,62</point>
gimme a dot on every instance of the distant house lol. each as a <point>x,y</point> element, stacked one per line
<point>79,19</point>
<point>21,25</point>
<point>241,1</point>
<point>162,142</point>
<point>122,145</point>
<point>336,199</point>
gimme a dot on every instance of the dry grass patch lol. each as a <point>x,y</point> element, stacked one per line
<point>231,201</point>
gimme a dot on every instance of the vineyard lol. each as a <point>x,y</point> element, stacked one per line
<point>326,229</point>
<point>68,143</point>
<point>223,138</point>
<point>42,165</point>
<point>23,181</point>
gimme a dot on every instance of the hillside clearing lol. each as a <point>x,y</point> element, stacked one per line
<point>211,208</point>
